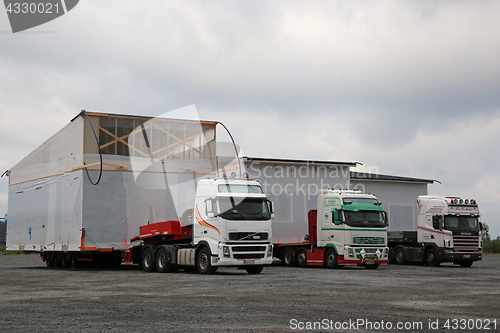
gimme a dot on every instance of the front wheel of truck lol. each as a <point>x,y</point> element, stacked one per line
<point>254,269</point>
<point>331,259</point>
<point>204,262</point>
<point>431,258</point>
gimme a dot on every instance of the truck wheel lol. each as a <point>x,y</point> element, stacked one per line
<point>204,262</point>
<point>254,269</point>
<point>301,258</point>
<point>431,258</point>
<point>466,263</point>
<point>331,259</point>
<point>399,255</point>
<point>163,264</point>
<point>64,261</point>
<point>55,260</point>
<point>148,262</point>
<point>287,257</point>
<point>48,262</point>
<point>73,261</point>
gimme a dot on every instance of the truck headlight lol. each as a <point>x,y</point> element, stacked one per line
<point>270,251</point>
<point>350,251</point>
<point>225,251</point>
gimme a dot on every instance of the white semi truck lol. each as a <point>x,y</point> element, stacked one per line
<point>348,228</point>
<point>448,230</point>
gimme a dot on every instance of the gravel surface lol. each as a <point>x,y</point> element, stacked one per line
<point>34,298</point>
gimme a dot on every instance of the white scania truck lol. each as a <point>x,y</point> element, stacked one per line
<point>448,230</point>
<point>348,228</point>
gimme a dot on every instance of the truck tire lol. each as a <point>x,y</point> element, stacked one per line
<point>466,263</point>
<point>204,262</point>
<point>399,255</point>
<point>287,258</point>
<point>55,260</point>
<point>163,264</point>
<point>73,261</point>
<point>64,261</point>
<point>148,261</point>
<point>301,258</point>
<point>331,260</point>
<point>431,258</point>
<point>48,261</point>
<point>254,269</point>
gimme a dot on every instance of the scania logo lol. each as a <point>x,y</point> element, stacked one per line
<point>466,233</point>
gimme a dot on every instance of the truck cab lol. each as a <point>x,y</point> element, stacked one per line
<point>452,225</point>
<point>354,225</point>
<point>232,222</point>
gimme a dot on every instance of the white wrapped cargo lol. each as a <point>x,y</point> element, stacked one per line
<point>52,199</point>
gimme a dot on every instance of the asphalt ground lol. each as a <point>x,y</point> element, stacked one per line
<point>410,298</point>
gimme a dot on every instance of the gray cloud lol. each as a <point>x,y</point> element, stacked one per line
<point>410,87</point>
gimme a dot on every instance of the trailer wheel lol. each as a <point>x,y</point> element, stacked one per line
<point>48,262</point>
<point>466,263</point>
<point>203,262</point>
<point>287,257</point>
<point>331,260</point>
<point>55,260</point>
<point>399,255</point>
<point>73,261</point>
<point>148,262</point>
<point>254,269</point>
<point>64,261</point>
<point>301,257</point>
<point>431,258</point>
<point>163,264</point>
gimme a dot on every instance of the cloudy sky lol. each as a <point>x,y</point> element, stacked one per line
<point>409,88</point>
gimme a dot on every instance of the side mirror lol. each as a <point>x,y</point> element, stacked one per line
<point>209,208</point>
<point>335,216</point>
<point>271,208</point>
<point>480,225</point>
<point>386,217</point>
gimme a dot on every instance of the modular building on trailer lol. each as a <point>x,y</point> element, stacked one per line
<point>146,190</point>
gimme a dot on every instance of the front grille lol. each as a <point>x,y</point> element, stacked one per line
<point>250,236</point>
<point>248,255</point>
<point>368,240</point>
<point>248,248</point>
<point>466,244</point>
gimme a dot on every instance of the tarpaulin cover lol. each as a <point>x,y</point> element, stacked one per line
<point>150,168</point>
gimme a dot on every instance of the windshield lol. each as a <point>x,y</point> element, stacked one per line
<point>367,219</point>
<point>461,223</point>
<point>246,209</point>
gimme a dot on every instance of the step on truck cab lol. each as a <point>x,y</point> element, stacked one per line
<point>348,228</point>
<point>229,225</point>
<point>448,230</point>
